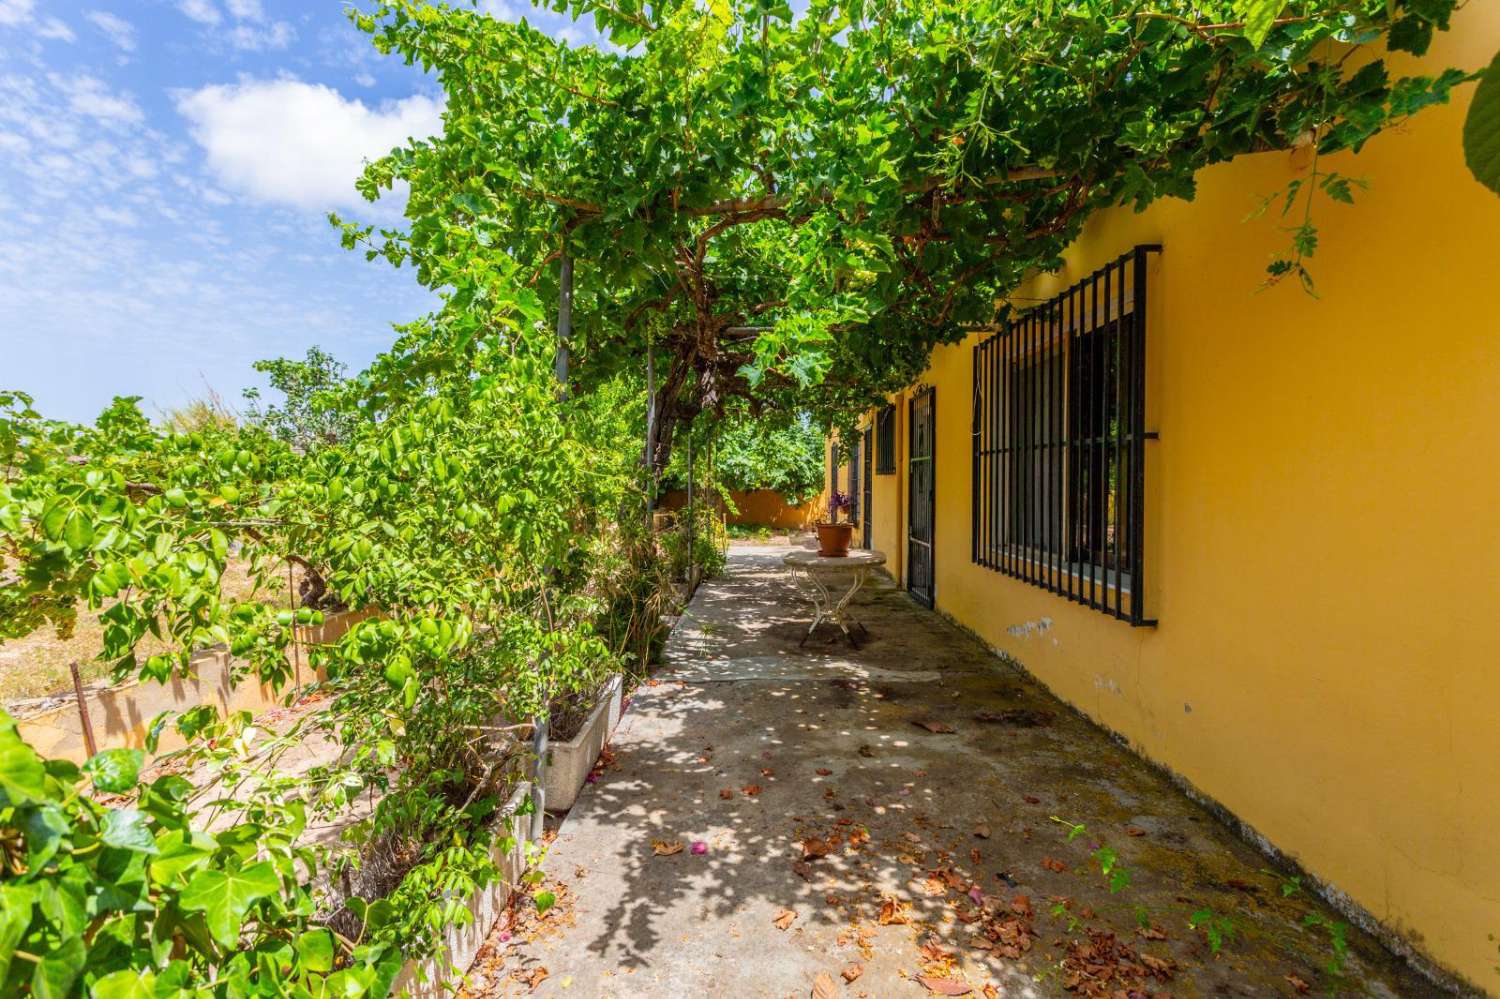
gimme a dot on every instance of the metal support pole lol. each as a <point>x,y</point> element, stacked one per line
<point>692,563</point>
<point>650,433</point>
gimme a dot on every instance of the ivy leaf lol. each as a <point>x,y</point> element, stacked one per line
<point>127,984</point>
<point>225,896</point>
<point>126,829</point>
<point>115,771</point>
<point>544,900</point>
<point>22,776</point>
<point>182,850</point>
<point>1260,17</point>
<point>55,973</point>
<point>1482,129</point>
<point>315,951</point>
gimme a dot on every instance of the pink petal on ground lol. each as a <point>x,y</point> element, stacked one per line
<point>699,848</point>
<point>976,895</point>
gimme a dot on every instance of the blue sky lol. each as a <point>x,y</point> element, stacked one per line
<point>166,168</point>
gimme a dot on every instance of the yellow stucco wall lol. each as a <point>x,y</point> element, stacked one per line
<point>1322,548</point>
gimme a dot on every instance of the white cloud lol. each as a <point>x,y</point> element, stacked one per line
<point>16,11</point>
<point>89,96</point>
<point>246,10</point>
<point>119,30</point>
<point>202,11</point>
<point>274,36</point>
<point>295,143</point>
<point>54,29</point>
<point>364,79</point>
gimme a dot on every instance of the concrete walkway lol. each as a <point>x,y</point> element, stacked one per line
<point>883,818</point>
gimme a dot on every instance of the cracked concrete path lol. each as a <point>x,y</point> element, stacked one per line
<point>842,834</point>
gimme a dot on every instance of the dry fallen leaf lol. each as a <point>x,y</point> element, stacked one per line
<point>824,772</point>
<point>937,727</point>
<point>893,912</point>
<point>814,847</point>
<point>750,789</point>
<point>945,986</point>
<point>531,979</point>
<point>1298,984</point>
<point>664,848</point>
<point>784,918</point>
<point>1031,799</point>
<point>727,793</point>
<point>1150,933</point>
<point>852,970</point>
<point>982,831</point>
<point>1053,864</point>
<point>767,772</point>
<point>824,987</point>
<point>975,856</point>
<point>1134,831</point>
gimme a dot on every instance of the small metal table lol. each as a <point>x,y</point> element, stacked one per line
<point>809,565</point>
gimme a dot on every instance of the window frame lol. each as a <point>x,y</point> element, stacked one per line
<point>885,440</point>
<point>1059,410</point>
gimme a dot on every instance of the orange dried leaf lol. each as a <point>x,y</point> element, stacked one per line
<point>784,918</point>
<point>666,848</point>
<point>945,986</point>
<point>852,970</point>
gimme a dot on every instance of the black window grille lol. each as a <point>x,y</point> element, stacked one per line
<point>885,441</point>
<point>1059,442</point>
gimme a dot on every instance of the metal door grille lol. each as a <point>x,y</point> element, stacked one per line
<point>1059,438</point>
<point>864,506</point>
<point>922,426</point>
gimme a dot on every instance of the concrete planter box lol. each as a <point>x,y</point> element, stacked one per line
<point>568,763</point>
<point>426,979</point>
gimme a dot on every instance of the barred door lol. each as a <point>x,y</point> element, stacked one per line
<point>869,469</point>
<point>922,427</point>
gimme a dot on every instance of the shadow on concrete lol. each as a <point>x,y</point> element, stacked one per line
<point>754,747</point>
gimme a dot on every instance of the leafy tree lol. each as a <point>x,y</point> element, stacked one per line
<point>312,413</point>
<point>785,455</point>
<point>775,201</point>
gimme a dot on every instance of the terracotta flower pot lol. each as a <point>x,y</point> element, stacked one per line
<point>833,539</point>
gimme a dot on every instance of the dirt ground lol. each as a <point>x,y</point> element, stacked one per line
<point>37,665</point>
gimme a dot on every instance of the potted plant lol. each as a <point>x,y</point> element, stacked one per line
<point>833,535</point>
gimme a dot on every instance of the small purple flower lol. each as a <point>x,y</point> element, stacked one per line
<point>699,848</point>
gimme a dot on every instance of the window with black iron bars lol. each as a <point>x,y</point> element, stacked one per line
<point>1059,442</point>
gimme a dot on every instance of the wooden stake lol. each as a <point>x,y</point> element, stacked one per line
<point>83,710</point>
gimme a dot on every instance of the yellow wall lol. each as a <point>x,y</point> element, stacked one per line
<point>1322,548</point>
